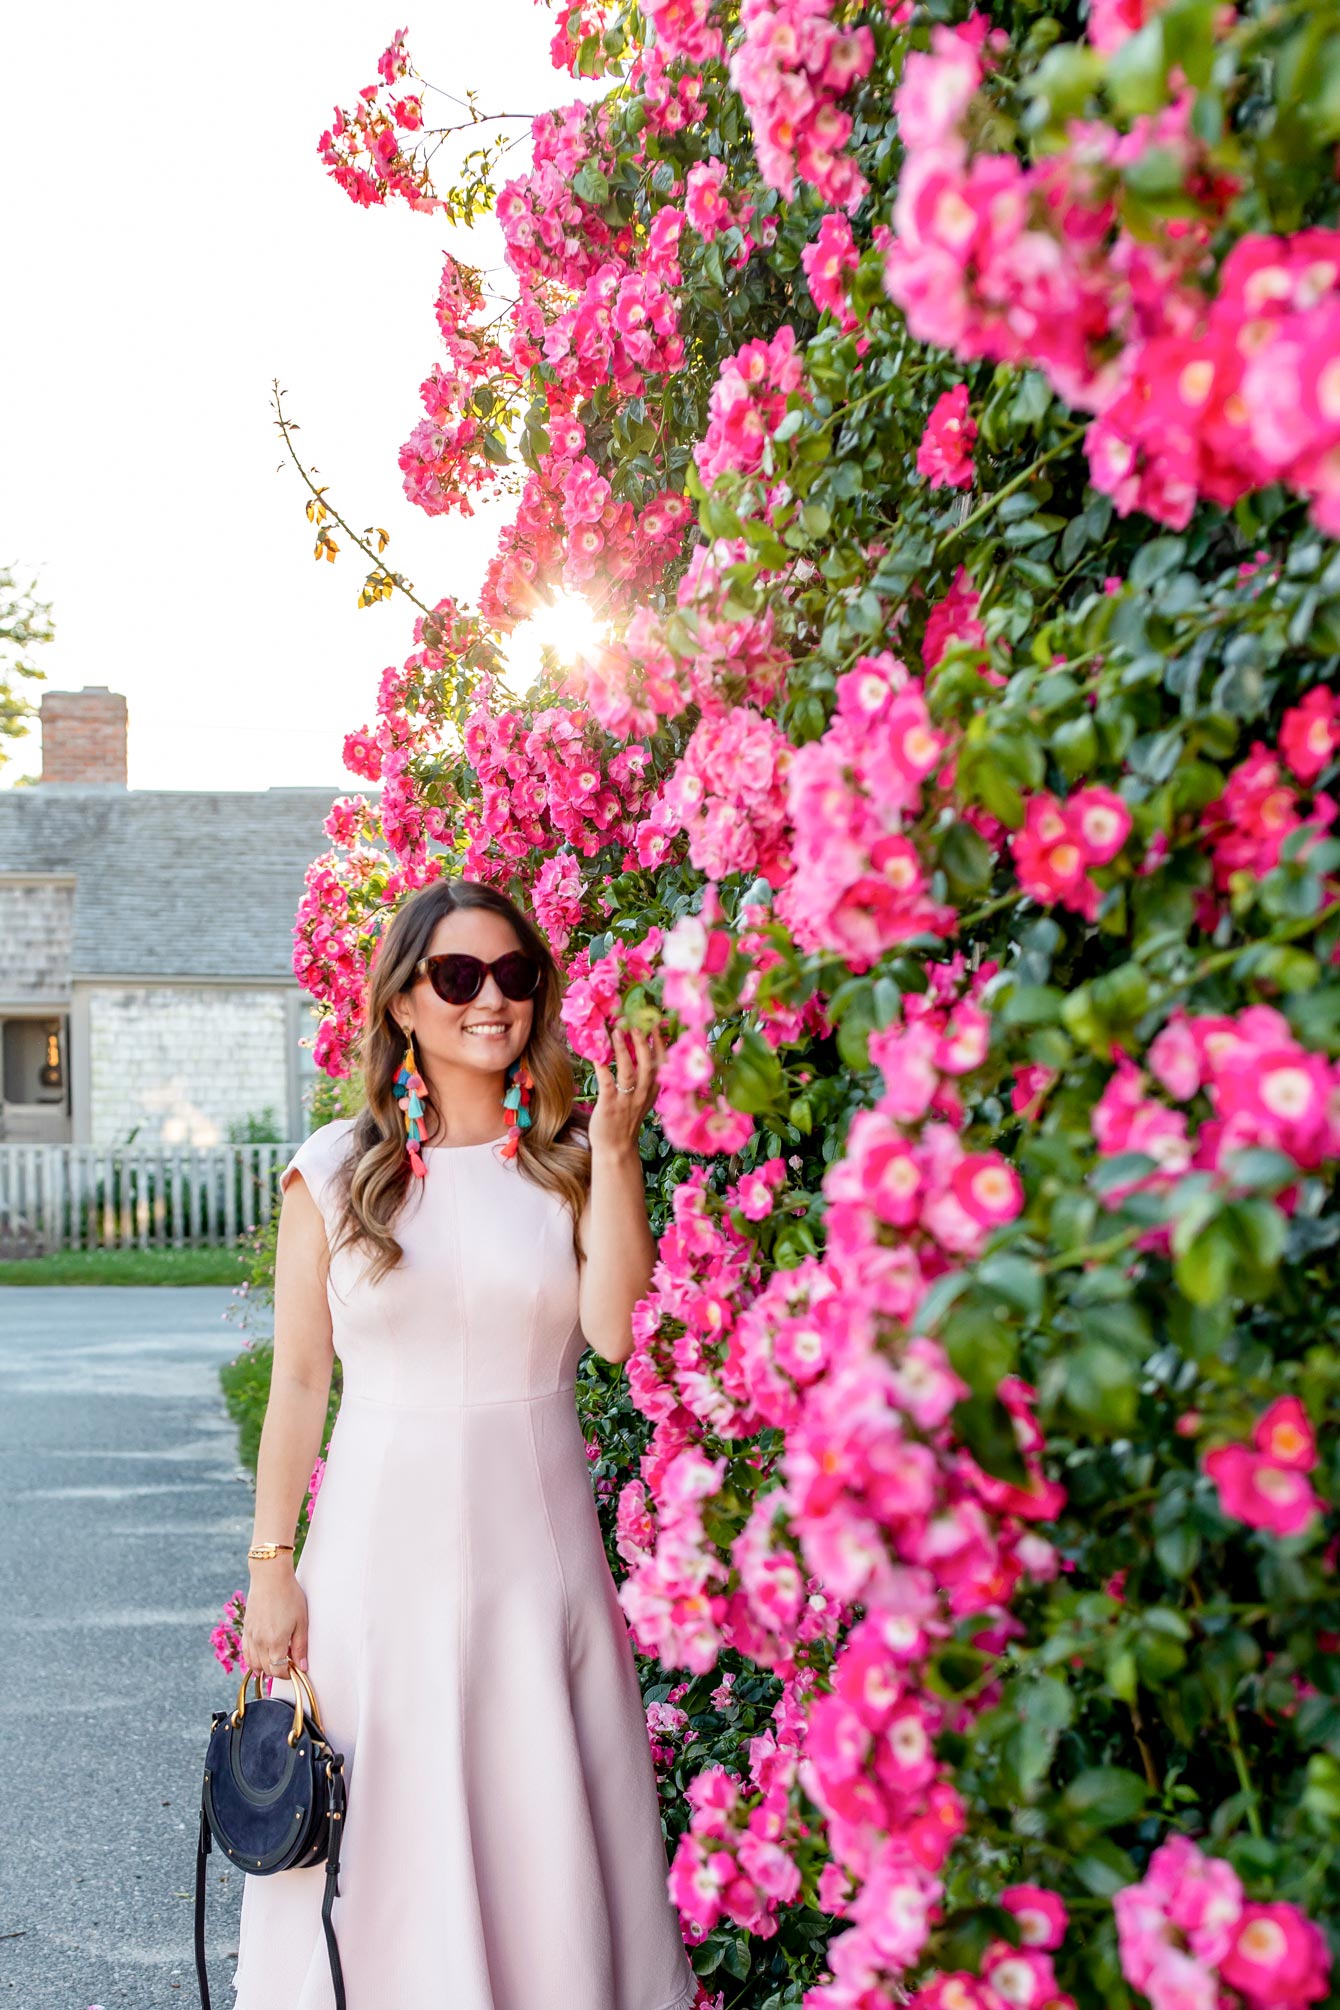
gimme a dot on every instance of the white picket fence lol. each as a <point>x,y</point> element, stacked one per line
<point>134,1196</point>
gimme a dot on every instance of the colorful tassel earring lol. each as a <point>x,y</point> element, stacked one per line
<point>410,1091</point>
<point>516,1105</point>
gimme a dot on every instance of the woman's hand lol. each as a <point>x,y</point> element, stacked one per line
<point>274,1626</point>
<point>617,1117</point>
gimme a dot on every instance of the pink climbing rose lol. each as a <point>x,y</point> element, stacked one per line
<point>1310,733</point>
<point>945,453</point>
<point>1266,1484</point>
<point>1277,1958</point>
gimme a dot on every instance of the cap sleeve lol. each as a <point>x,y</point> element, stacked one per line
<point>317,1159</point>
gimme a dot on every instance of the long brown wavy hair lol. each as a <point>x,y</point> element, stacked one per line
<point>374,1181</point>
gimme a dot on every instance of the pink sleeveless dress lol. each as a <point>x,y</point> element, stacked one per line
<point>503,1846</point>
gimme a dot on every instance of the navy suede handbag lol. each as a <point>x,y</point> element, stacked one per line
<point>273,1799</point>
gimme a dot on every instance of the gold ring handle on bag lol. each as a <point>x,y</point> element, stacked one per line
<point>301,1684</point>
<point>239,1708</point>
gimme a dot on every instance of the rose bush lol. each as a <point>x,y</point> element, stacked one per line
<point>941,412</point>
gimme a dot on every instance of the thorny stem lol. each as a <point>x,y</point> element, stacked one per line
<point>476,118</point>
<point>503,144</point>
<point>1230,1717</point>
<point>996,906</point>
<point>1152,1779</point>
<point>1317,1870</point>
<point>1223,958</point>
<point>469,125</point>
<point>997,496</point>
<point>331,510</point>
<point>1289,933</point>
<point>1126,1502</point>
<point>1094,1252</point>
<point>1240,1766</point>
<point>879,390</point>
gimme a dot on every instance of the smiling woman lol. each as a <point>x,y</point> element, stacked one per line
<point>453,1598</point>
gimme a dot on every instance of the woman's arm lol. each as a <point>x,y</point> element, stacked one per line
<point>616,1234</point>
<point>295,1420</point>
<point>621,1251</point>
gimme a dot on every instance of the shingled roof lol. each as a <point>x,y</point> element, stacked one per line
<point>173,882</point>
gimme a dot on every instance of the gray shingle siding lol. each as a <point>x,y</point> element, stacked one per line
<point>36,929</point>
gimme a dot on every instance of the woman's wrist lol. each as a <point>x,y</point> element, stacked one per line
<point>263,1569</point>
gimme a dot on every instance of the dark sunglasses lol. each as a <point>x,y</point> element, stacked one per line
<point>457,978</point>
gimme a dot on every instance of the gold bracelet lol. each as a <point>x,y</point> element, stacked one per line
<point>264,1549</point>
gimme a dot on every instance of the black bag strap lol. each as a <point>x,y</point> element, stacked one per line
<point>335,1804</point>
<point>201,1852</point>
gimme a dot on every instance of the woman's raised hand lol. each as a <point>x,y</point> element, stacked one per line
<point>626,1091</point>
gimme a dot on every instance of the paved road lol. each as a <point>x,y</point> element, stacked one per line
<point>124,1521</point>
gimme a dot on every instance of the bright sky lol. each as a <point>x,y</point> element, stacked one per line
<point>177,245</point>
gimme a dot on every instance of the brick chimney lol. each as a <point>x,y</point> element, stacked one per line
<point>84,736</point>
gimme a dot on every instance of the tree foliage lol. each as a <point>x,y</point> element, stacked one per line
<point>25,623</point>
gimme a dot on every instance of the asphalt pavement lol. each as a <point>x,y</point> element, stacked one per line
<point>125,1516</point>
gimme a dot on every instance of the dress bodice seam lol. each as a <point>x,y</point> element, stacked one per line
<point>480,1403</point>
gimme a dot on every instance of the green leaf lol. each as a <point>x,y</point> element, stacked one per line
<point>999,795</point>
<point>887,1000</point>
<point>1075,745</point>
<point>1178,1549</point>
<point>1042,1710</point>
<point>1189,40</point>
<point>1161,555</point>
<point>1103,1869</point>
<point>1156,173</point>
<point>1261,1232</point>
<point>1018,506</point>
<point>1119,1323</point>
<point>591,185</point>
<point>965,858</point>
<point>1260,1168</point>
<point>1032,1005</point>
<point>1137,74</point>
<point>981,1348</point>
<point>1015,1279</point>
<point>1120,1672</point>
<point>1123,1169</point>
<point>853,1037</point>
<point>1159,1652</point>
<point>1103,1798</point>
<point>1082,1022</point>
<point>852,993</point>
<point>985,1426</point>
<point>753,1080</point>
<point>939,1298</point>
<point>1204,1269</point>
<point>1100,1387</point>
<point>1120,996</point>
<point>1063,83</point>
<point>736,1959</point>
<point>1032,401</point>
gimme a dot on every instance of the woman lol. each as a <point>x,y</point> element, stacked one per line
<point>503,1847</point>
